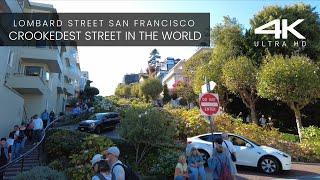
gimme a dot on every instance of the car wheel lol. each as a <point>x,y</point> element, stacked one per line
<point>269,165</point>
<point>205,156</point>
<point>98,130</point>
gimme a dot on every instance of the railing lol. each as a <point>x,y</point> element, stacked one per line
<point>36,147</point>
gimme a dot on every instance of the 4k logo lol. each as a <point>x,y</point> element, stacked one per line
<point>277,30</point>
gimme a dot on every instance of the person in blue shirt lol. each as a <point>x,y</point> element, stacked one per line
<point>196,165</point>
<point>45,118</point>
<point>220,159</point>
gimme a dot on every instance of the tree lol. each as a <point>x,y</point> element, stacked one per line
<point>228,40</point>
<point>123,90</point>
<point>135,90</point>
<point>185,91</point>
<point>146,129</point>
<point>152,62</point>
<point>294,81</point>
<point>309,28</point>
<point>151,88</point>
<point>239,76</point>
<point>200,59</point>
<point>166,95</point>
<point>90,92</point>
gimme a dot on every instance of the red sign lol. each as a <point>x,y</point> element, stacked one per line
<point>209,104</point>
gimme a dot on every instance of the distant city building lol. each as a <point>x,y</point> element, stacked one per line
<point>130,78</point>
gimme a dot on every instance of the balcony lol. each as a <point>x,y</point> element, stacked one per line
<point>69,89</point>
<point>27,84</point>
<point>44,55</point>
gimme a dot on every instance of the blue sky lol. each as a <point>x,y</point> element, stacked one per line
<point>107,65</point>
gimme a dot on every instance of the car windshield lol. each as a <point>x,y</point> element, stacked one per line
<point>97,116</point>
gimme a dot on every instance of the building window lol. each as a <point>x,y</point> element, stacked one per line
<point>32,70</point>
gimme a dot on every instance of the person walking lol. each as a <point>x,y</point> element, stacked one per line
<point>262,121</point>
<point>45,118</point>
<point>5,154</point>
<point>37,128</point>
<point>112,157</point>
<point>231,151</point>
<point>181,171</point>
<point>220,164</point>
<point>196,165</point>
<point>29,131</point>
<point>17,144</point>
<point>51,116</point>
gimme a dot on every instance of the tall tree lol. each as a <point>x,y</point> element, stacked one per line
<point>185,91</point>
<point>227,38</point>
<point>152,62</point>
<point>166,95</point>
<point>309,28</point>
<point>239,76</point>
<point>151,88</point>
<point>294,81</point>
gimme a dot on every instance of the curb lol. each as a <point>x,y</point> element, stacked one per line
<point>306,163</point>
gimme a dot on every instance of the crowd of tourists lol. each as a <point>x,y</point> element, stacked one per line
<point>221,164</point>
<point>12,146</point>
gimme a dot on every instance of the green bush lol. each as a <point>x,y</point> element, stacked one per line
<point>161,161</point>
<point>290,137</point>
<point>80,166</point>
<point>164,162</point>
<point>40,173</point>
<point>146,128</point>
<point>62,143</point>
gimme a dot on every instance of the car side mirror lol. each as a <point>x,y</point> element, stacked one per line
<point>248,145</point>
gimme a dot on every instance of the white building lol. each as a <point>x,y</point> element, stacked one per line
<point>35,78</point>
<point>83,79</point>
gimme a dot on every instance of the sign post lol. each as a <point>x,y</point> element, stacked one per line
<point>209,107</point>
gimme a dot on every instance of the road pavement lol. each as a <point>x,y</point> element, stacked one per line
<point>305,171</point>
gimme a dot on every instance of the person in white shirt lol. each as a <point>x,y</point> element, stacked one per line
<point>227,144</point>
<point>112,157</point>
<point>37,127</point>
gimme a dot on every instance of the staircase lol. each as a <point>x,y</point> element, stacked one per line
<point>27,163</point>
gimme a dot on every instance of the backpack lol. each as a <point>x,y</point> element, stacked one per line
<point>129,173</point>
<point>100,176</point>
<point>225,173</point>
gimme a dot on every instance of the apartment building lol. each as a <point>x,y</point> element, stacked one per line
<point>35,78</point>
<point>175,75</point>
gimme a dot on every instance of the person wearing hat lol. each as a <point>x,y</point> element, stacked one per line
<point>112,157</point>
<point>94,161</point>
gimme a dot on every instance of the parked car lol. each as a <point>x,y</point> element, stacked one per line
<point>249,153</point>
<point>100,121</point>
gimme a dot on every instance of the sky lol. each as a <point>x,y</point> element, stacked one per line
<point>107,65</point>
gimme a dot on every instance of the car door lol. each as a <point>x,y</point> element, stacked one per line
<point>246,153</point>
<point>107,121</point>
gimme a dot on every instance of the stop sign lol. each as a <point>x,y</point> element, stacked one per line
<point>209,104</point>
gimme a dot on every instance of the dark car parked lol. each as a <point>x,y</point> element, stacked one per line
<point>100,121</point>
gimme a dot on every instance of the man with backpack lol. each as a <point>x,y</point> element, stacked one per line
<point>119,171</point>
<point>220,164</point>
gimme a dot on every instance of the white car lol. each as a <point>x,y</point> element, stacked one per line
<point>249,153</point>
